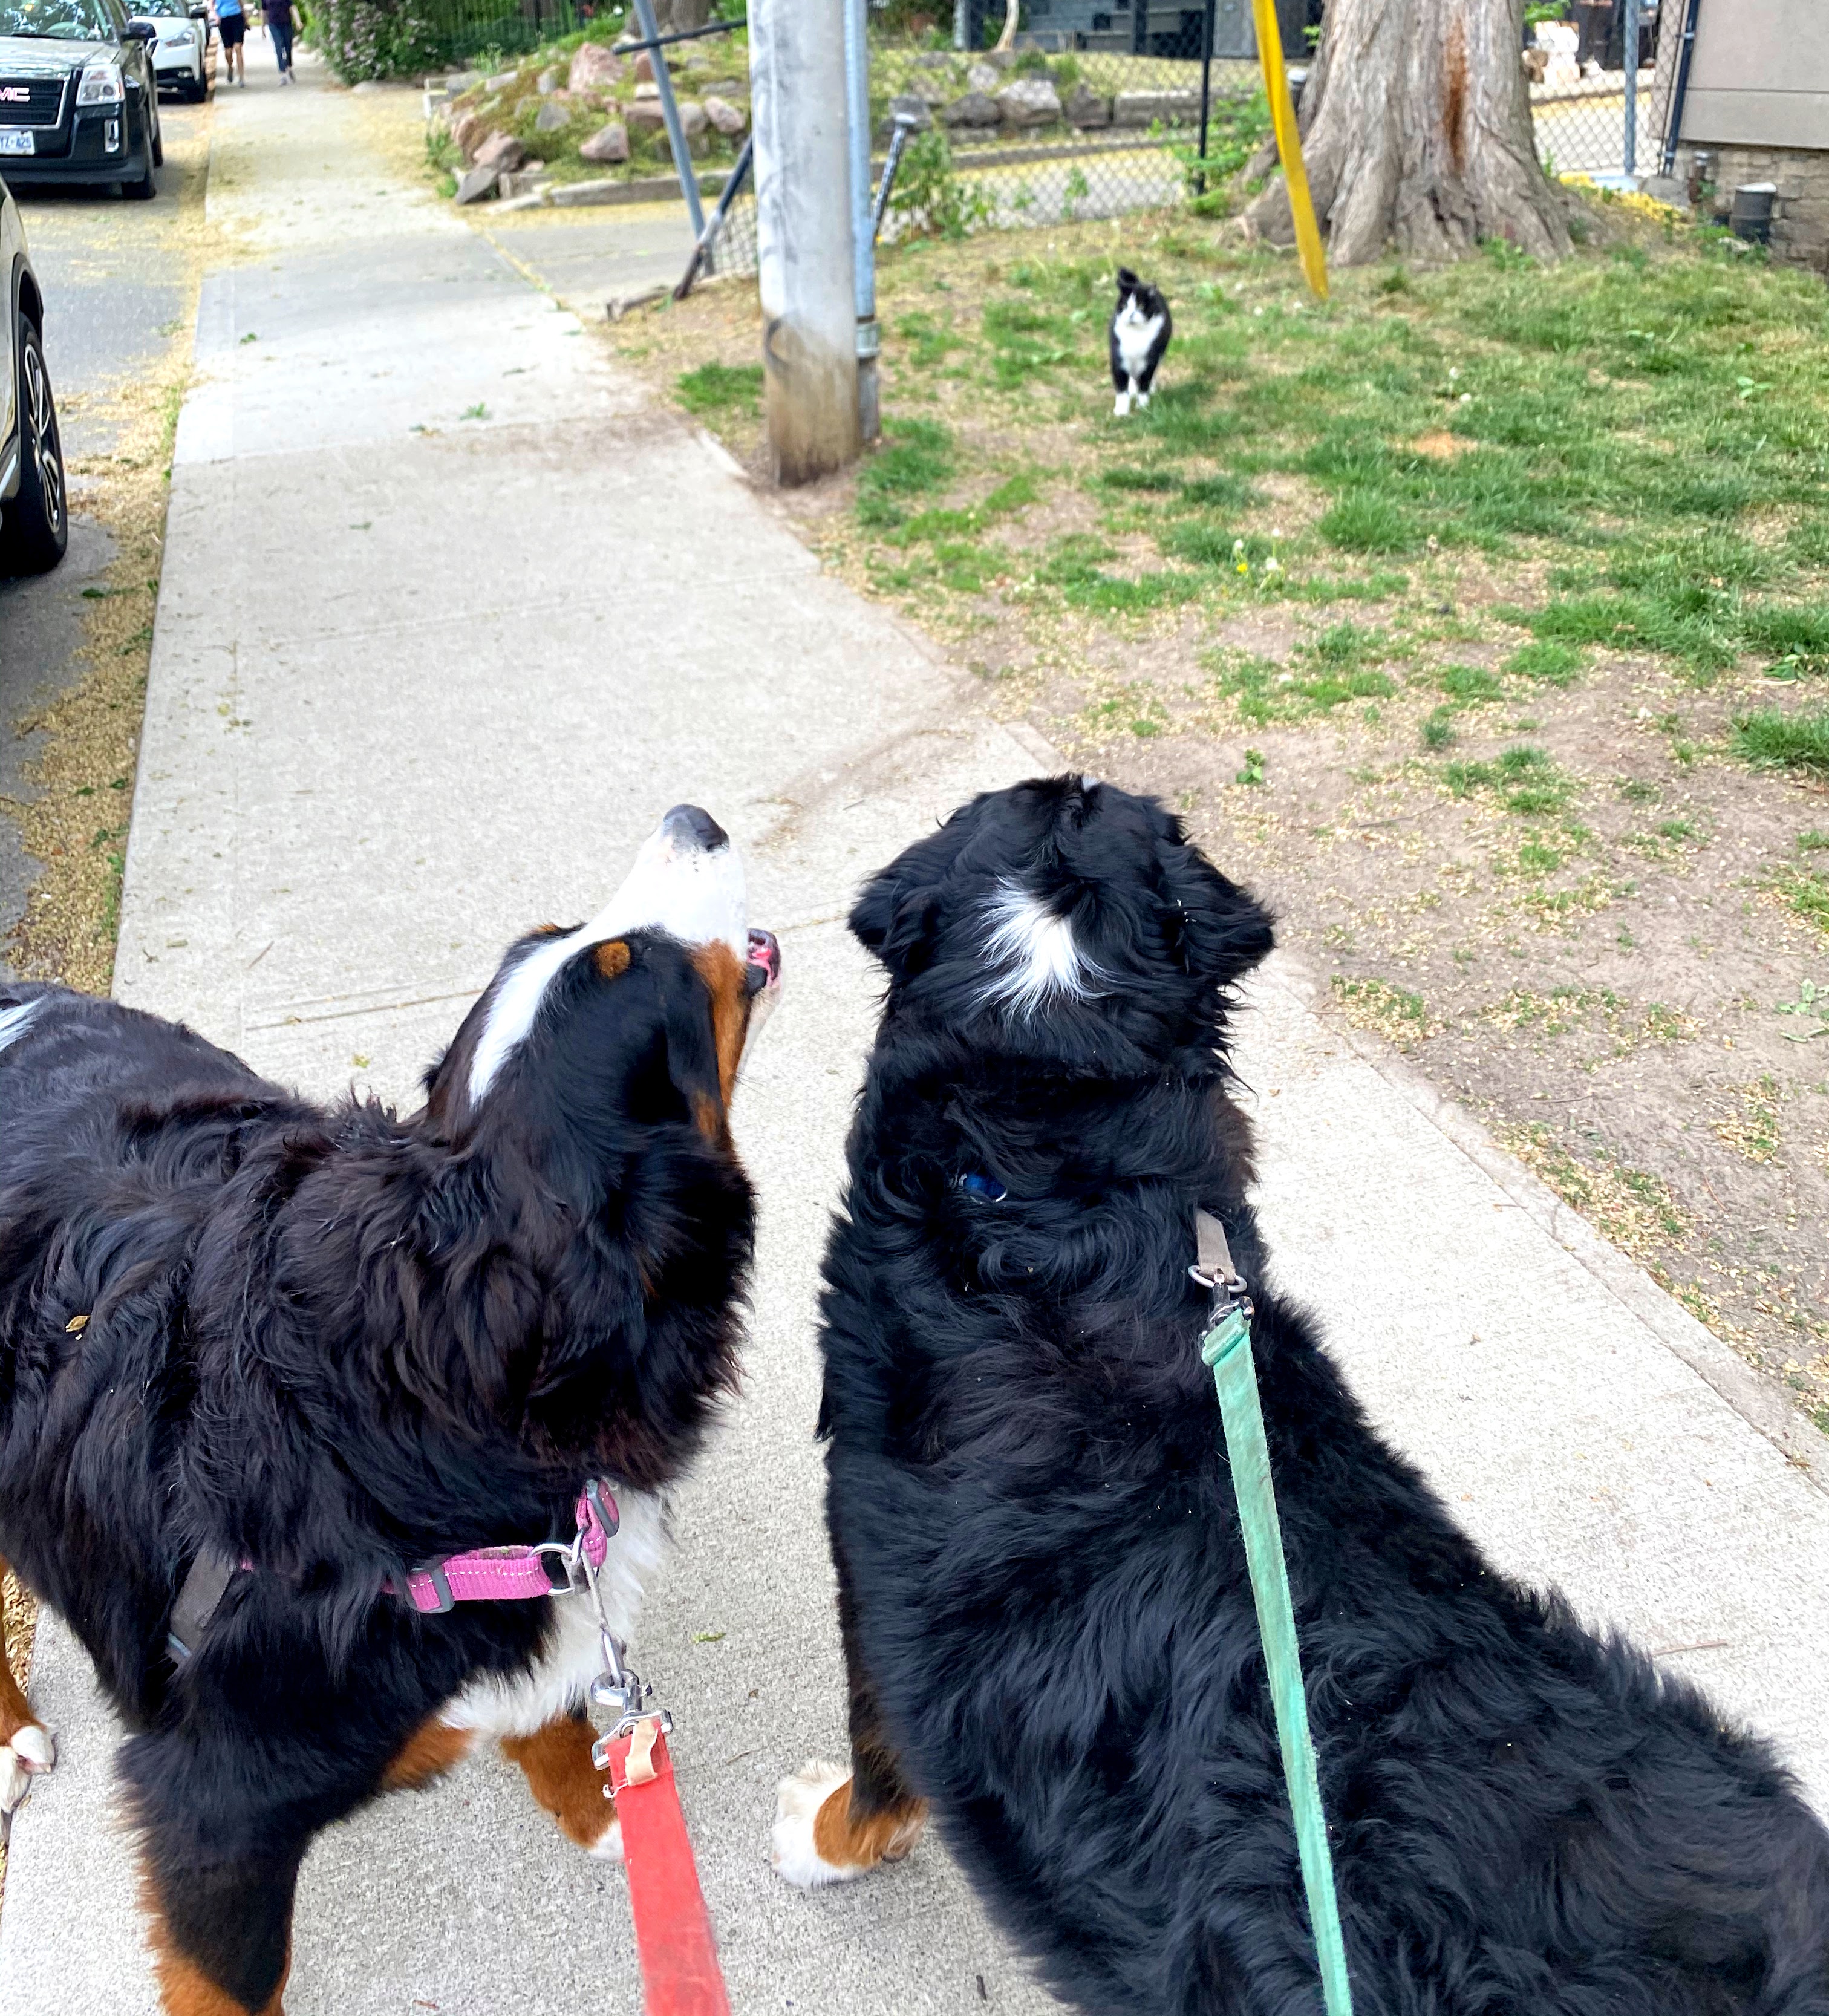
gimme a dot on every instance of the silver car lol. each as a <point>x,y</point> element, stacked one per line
<point>34,507</point>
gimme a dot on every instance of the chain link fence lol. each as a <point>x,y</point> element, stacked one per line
<point>1575,58</point>
<point>1103,108</point>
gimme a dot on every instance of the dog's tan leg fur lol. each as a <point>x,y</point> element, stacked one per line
<point>27,1748</point>
<point>843,1839</point>
<point>431,1750</point>
<point>561,1776</point>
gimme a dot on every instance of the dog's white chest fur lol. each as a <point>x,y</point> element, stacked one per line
<point>558,1685</point>
<point>1136,336</point>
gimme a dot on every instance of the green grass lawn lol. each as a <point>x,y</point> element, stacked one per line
<point>1479,619</point>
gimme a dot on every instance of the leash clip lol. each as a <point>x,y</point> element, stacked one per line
<point>1215,1272</point>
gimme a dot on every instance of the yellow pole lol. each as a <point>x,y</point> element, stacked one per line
<point>1301,208</point>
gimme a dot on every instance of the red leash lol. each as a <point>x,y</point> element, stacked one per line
<point>680,1973</point>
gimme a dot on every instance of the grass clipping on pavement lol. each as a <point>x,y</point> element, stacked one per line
<point>1479,619</point>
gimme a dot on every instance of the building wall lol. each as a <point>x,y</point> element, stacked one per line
<point>1760,76</point>
<point>1800,222</point>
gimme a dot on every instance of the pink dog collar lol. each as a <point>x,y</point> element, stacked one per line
<point>507,1575</point>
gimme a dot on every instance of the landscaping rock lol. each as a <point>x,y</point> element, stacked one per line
<point>500,152</point>
<point>502,79</point>
<point>644,66</point>
<point>468,128</point>
<point>648,94</point>
<point>694,118</point>
<point>554,116</point>
<point>595,68</point>
<point>932,88</point>
<point>645,117</point>
<point>608,144</point>
<point>1031,101</point>
<point>524,181</point>
<point>1088,109</point>
<point>465,79</point>
<point>1144,108</point>
<point>985,77</point>
<point>729,120</point>
<point>474,184</point>
<point>910,111</point>
<point>548,83</point>
<point>975,109</point>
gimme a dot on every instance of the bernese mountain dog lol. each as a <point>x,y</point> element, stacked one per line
<point>1047,1622</point>
<point>329,1350</point>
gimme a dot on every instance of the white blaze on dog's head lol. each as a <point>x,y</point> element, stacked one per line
<point>687,881</point>
<point>14,1021</point>
<point>1033,954</point>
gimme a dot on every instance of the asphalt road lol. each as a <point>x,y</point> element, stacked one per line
<point>116,297</point>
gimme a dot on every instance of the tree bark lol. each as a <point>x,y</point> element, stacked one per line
<point>1416,131</point>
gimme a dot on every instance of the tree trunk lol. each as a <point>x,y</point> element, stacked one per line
<point>1417,131</point>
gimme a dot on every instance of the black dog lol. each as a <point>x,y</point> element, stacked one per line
<point>1046,1617</point>
<point>1141,326</point>
<point>326,1349</point>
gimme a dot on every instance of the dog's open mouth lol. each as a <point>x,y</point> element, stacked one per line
<point>763,971</point>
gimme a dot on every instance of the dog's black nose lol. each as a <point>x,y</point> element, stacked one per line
<point>691,826</point>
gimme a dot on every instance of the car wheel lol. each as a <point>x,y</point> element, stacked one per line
<point>147,187</point>
<point>36,528</point>
<point>158,143</point>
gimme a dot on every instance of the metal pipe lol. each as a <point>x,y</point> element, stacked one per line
<point>905,129</point>
<point>701,252</point>
<point>1206,92</point>
<point>682,163</point>
<point>625,47</point>
<point>863,248</point>
<point>1630,12</point>
<point>1680,92</point>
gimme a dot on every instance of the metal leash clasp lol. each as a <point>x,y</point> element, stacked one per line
<point>619,1687</point>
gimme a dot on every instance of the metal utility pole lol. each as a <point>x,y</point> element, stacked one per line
<point>1630,13</point>
<point>804,235</point>
<point>863,233</point>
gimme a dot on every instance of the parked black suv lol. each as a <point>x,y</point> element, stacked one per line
<point>78,101</point>
<point>34,508</point>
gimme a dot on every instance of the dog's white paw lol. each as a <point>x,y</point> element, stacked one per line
<point>1121,406</point>
<point>32,1752</point>
<point>608,1845</point>
<point>792,1851</point>
<point>1143,398</point>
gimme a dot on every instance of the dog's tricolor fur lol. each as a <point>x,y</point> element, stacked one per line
<point>1043,1592</point>
<point>1141,326</point>
<point>337,1343</point>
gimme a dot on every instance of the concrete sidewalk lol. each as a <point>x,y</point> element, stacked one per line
<point>467,662</point>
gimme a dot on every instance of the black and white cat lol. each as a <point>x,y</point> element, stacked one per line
<point>1140,330</point>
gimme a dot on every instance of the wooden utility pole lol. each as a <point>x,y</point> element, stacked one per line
<point>804,235</point>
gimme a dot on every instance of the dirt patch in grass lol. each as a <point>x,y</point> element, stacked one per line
<point>1479,619</point>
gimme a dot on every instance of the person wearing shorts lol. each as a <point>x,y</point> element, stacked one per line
<point>231,28</point>
<point>277,14</point>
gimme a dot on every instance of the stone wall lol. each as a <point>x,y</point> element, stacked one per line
<point>1800,219</point>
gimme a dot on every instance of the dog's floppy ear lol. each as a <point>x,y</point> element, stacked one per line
<point>1221,929</point>
<point>896,920</point>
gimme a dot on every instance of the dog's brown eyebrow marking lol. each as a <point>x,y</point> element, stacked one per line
<point>611,958</point>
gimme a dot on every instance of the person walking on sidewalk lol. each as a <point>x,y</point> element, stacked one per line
<point>277,14</point>
<point>231,28</point>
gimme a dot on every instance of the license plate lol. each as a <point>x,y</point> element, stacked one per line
<point>16,139</point>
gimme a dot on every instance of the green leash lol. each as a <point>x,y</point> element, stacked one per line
<point>1226,1347</point>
